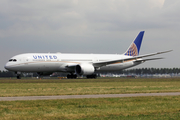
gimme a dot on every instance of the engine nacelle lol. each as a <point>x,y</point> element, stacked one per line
<point>84,69</point>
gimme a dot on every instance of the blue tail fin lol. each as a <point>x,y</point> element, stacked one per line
<point>134,48</point>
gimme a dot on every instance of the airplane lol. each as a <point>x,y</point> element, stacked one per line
<point>79,64</point>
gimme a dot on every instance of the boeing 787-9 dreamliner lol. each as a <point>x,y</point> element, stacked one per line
<point>79,64</point>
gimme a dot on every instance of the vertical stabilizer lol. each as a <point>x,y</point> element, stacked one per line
<point>134,48</point>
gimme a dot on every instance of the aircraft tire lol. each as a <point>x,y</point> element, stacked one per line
<point>73,76</point>
<point>18,76</point>
<point>91,76</point>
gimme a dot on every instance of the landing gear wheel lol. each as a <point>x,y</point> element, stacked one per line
<point>91,76</point>
<point>18,76</point>
<point>71,76</point>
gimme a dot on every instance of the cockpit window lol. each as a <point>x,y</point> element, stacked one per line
<point>12,60</point>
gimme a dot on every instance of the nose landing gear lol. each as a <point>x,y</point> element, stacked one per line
<point>18,75</point>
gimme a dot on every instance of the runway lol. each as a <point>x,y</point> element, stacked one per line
<point>86,96</point>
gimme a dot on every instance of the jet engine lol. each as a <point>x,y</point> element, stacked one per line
<point>84,69</point>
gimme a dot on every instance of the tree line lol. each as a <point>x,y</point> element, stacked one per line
<point>137,71</point>
<point>7,74</point>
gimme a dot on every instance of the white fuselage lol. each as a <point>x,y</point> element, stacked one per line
<point>57,62</point>
<point>79,64</point>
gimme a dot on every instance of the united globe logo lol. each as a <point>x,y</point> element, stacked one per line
<point>132,51</point>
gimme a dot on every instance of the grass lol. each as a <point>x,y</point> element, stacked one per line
<point>132,108</point>
<point>138,108</point>
<point>34,87</point>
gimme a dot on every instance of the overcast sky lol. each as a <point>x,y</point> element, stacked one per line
<point>90,26</point>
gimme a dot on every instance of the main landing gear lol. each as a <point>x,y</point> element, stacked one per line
<point>74,76</point>
<point>71,76</point>
<point>91,76</point>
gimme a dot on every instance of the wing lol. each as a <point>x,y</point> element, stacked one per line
<point>143,60</point>
<point>136,59</point>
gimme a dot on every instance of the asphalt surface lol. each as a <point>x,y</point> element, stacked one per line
<point>86,96</point>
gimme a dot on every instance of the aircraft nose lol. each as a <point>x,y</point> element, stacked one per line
<point>7,66</point>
